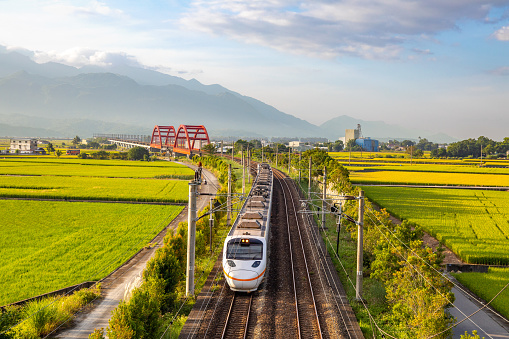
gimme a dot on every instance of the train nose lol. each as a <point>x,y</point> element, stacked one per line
<point>244,279</point>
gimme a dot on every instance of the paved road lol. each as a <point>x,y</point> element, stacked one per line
<point>129,275</point>
<point>487,324</point>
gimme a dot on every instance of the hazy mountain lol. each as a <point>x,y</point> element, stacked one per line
<point>335,128</point>
<point>131,100</point>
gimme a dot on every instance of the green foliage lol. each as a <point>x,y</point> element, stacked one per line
<point>76,141</point>
<point>41,317</point>
<point>9,317</point>
<point>474,335</point>
<point>58,153</point>
<point>97,334</point>
<point>209,149</point>
<point>137,153</point>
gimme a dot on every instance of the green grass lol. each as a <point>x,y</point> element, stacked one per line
<point>93,188</point>
<point>46,246</point>
<point>487,285</point>
<point>93,168</point>
<point>474,224</point>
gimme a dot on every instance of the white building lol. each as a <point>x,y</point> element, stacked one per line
<point>23,145</point>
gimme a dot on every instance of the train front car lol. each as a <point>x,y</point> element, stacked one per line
<point>245,247</point>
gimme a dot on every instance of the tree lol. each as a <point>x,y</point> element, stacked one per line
<point>58,153</point>
<point>76,141</point>
<point>209,149</point>
<point>50,148</point>
<point>338,146</point>
<point>137,153</point>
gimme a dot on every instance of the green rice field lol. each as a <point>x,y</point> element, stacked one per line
<point>474,224</point>
<point>46,246</point>
<point>93,168</point>
<point>429,178</point>
<point>94,188</point>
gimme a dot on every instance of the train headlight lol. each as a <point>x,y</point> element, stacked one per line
<point>256,263</point>
<point>231,263</point>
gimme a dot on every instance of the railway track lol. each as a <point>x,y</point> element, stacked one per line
<point>306,314</point>
<point>301,296</point>
<point>237,321</point>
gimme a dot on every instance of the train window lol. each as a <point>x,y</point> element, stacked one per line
<point>239,249</point>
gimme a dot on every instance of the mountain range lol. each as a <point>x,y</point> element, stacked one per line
<point>56,100</point>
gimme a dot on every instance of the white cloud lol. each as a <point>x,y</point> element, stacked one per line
<point>93,8</point>
<point>365,28</point>
<point>502,34</point>
<point>81,56</point>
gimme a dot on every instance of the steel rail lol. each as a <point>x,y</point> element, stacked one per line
<point>229,317</point>
<point>282,178</point>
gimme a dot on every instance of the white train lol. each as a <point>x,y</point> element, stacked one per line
<point>245,247</point>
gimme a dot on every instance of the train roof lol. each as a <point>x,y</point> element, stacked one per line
<point>254,216</point>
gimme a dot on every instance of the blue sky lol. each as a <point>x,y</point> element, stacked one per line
<point>437,65</point>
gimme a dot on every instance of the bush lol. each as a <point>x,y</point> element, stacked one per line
<point>138,318</point>
<point>137,153</point>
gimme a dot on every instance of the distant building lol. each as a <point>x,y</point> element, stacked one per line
<point>299,146</point>
<point>23,145</point>
<point>352,134</point>
<point>368,144</point>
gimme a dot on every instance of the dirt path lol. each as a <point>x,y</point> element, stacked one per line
<point>128,275</point>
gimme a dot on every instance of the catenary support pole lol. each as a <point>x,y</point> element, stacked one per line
<point>243,173</point>
<point>300,158</point>
<point>360,236</point>
<point>289,159</point>
<point>324,198</point>
<point>191,238</point>
<point>229,198</point>
<point>211,222</point>
<point>309,180</point>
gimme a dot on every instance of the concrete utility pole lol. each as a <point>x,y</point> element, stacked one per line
<point>324,198</point>
<point>191,237</point>
<point>360,235</point>
<point>211,222</point>
<point>233,148</point>
<point>309,179</point>
<point>221,147</point>
<point>300,159</point>
<point>276,156</point>
<point>243,173</point>
<point>248,166</point>
<point>289,159</point>
<point>229,198</point>
<point>262,155</point>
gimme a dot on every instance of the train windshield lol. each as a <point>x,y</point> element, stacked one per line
<point>244,249</point>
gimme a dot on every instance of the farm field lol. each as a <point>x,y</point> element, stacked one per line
<point>403,158</point>
<point>93,188</point>
<point>469,169</point>
<point>46,246</point>
<point>429,178</point>
<point>472,223</point>
<point>93,168</point>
